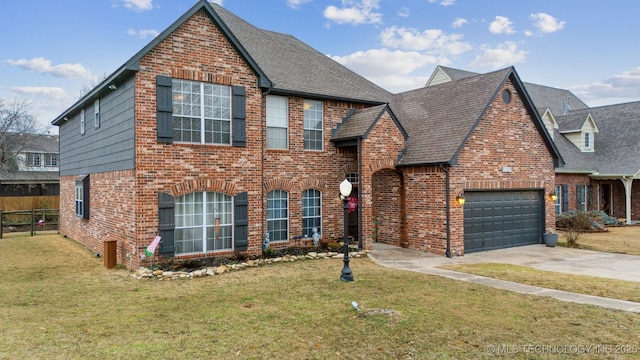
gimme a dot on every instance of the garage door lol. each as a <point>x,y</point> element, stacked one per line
<point>500,219</point>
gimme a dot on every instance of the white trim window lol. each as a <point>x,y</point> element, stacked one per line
<point>311,212</point>
<point>581,197</point>
<point>96,108</point>
<point>82,123</point>
<point>79,199</point>
<point>277,122</point>
<point>558,204</point>
<point>34,159</point>
<point>203,223</point>
<point>588,144</point>
<point>313,124</point>
<point>51,160</point>
<point>201,112</point>
<point>278,215</point>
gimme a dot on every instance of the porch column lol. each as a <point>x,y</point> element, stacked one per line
<point>627,181</point>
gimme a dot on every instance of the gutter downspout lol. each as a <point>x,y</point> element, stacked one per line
<point>263,145</point>
<point>447,209</point>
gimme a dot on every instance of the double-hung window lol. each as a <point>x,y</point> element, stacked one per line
<point>558,204</point>
<point>50,159</point>
<point>311,212</point>
<point>581,197</point>
<point>79,200</point>
<point>82,122</point>
<point>201,112</point>
<point>96,119</point>
<point>278,215</point>
<point>312,124</point>
<point>587,141</point>
<point>203,222</point>
<point>277,122</point>
<point>33,159</point>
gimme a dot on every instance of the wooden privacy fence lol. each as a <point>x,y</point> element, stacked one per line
<point>28,220</point>
<point>11,203</point>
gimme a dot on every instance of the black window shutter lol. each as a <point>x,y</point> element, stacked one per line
<point>565,198</point>
<point>164,100</point>
<point>166,224</point>
<point>239,116</point>
<point>241,222</point>
<point>86,195</point>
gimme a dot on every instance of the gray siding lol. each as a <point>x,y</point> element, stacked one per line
<point>107,148</point>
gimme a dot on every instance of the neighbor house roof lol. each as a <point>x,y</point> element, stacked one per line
<point>438,127</point>
<point>282,63</point>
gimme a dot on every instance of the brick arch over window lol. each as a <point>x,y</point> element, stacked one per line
<point>203,184</point>
<point>383,164</point>
<point>350,168</point>
<point>313,184</point>
<point>278,184</point>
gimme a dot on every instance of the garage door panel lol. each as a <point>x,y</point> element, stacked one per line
<point>499,219</point>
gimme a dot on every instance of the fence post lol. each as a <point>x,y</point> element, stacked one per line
<point>31,221</point>
<point>1,224</point>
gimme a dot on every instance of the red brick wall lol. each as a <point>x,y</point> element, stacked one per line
<point>112,215</point>
<point>572,180</point>
<point>379,154</point>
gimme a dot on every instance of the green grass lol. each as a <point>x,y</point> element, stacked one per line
<point>582,284</point>
<point>58,302</point>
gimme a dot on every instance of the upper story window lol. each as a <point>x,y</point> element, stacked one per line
<point>33,159</point>
<point>201,112</point>
<point>51,159</point>
<point>588,143</point>
<point>96,107</point>
<point>82,122</point>
<point>313,124</point>
<point>353,178</point>
<point>277,122</point>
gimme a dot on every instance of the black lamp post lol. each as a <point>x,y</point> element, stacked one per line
<point>345,191</point>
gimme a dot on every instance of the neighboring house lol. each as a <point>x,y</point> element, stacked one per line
<point>218,133</point>
<point>599,146</point>
<point>34,166</point>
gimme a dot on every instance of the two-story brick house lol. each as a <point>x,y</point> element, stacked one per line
<point>217,133</point>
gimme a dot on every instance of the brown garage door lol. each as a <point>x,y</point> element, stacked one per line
<point>501,219</point>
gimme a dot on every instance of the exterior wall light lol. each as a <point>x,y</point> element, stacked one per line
<point>460,199</point>
<point>553,196</point>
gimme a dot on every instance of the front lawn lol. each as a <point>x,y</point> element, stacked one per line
<point>58,302</point>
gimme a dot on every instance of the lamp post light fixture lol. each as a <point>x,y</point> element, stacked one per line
<point>345,191</point>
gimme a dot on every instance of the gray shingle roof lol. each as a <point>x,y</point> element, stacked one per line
<point>574,159</point>
<point>294,67</point>
<point>617,144</point>
<point>439,118</point>
<point>573,121</point>
<point>358,124</point>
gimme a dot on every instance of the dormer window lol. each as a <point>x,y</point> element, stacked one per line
<point>587,141</point>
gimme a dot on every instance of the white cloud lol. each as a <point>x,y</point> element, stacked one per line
<point>458,22</point>
<point>54,93</point>
<point>404,12</point>
<point>432,40</point>
<point>504,54</point>
<point>391,69</point>
<point>296,4</point>
<point>138,5</point>
<point>444,2</point>
<point>617,88</point>
<point>143,33</point>
<point>547,23</point>
<point>354,12</point>
<point>43,66</point>
<point>501,25</point>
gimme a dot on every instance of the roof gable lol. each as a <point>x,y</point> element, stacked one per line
<point>359,123</point>
<point>439,119</point>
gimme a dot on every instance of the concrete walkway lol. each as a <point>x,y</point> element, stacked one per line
<point>558,259</point>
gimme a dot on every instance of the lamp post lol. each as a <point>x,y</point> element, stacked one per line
<point>345,191</point>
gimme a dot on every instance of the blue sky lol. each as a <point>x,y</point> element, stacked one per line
<point>52,49</point>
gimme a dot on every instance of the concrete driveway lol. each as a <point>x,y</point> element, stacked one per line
<point>558,259</point>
